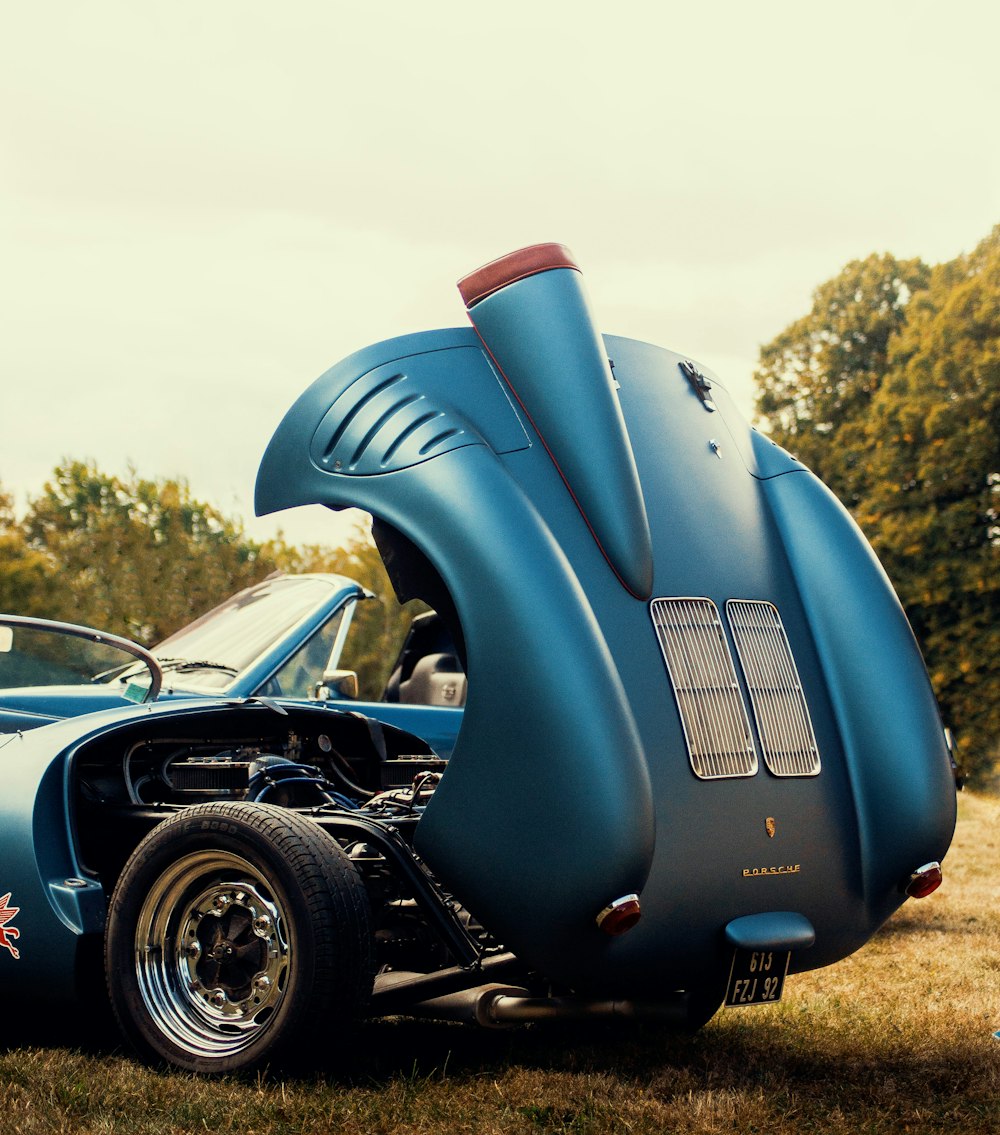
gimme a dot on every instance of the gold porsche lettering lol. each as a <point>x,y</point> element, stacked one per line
<point>785,869</point>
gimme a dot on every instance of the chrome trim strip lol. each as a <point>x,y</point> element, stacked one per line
<point>127,646</point>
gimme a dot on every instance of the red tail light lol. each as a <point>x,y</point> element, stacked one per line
<point>619,916</point>
<point>924,881</point>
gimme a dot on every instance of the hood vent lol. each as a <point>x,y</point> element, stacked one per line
<point>712,709</point>
<point>384,422</point>
<point>779,705</point>
<point>713,715</point>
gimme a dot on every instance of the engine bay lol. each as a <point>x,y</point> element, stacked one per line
<point>323,761</point>
<point>296,759</point>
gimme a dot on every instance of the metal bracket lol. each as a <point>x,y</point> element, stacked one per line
<point>699,383</point>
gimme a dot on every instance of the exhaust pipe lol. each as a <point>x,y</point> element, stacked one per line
<point>502,1006</point>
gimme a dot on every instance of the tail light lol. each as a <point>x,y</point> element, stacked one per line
<point>924,881</point>
<point>619,916</point>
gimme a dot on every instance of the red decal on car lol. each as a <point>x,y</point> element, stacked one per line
<point>8,933</point>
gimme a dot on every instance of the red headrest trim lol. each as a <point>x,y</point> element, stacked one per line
<point>514,266</point>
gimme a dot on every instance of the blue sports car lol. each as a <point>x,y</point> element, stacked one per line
<point>697,750</point>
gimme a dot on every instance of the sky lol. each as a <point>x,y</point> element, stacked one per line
<point>203,206</point>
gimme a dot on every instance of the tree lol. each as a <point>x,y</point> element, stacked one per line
<point>133,556</point>
<point>816,380</point>
<point>142,558</point>
<point>932,505</point>
<point>28,584</point>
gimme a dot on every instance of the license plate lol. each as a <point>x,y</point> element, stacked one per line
<point>757,977</point>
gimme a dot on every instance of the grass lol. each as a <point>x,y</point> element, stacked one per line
<point>897,1038</point>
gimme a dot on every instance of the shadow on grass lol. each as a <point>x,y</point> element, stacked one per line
<point>90,1030</point>
<point>729,1055</point>
<point>765,1056</point>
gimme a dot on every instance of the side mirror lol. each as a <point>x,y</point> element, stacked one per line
<point>337,683</point>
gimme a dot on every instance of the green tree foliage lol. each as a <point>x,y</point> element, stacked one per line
<point>816,380</point>
<point>28,582</point>
<point>142,558</point>
<point>933,503</point>
<point>133,556</point>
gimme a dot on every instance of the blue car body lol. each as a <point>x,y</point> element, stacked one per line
<point>599,475</point>
<point>698,732</point>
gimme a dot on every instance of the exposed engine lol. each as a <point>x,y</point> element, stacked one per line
<point>366,784</point>
<point>350,766</point>
<point>248,772</point>
<point>158,772</point>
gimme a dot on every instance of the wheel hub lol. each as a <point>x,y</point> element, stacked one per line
<point>212,955</point>
<point>229,941</point>
<point>232,951</point>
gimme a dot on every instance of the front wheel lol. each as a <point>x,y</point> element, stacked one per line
<point>236,932</point>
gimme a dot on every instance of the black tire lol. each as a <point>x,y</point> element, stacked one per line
<point>236,932</point>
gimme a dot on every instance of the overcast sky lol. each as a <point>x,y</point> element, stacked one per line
<point>204,205</point>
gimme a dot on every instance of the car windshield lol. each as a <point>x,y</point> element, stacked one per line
<point>36,652</point>
<point>210,652</point>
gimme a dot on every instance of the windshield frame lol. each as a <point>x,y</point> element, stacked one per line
<point>140,653</point>
<point>252,675</point>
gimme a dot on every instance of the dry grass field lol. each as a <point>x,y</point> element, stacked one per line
<point>898,1038</point>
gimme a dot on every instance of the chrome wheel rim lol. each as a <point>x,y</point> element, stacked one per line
<point>212,954</point>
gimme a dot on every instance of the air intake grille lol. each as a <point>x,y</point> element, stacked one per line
<point>779,707</point>
<point>713,716</point>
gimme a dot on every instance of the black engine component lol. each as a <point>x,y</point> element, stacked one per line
<point>219,775</point>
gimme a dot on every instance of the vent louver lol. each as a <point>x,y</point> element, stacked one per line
<point>382,423</point>
<point>713,715</point>
<point>779,705</point>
